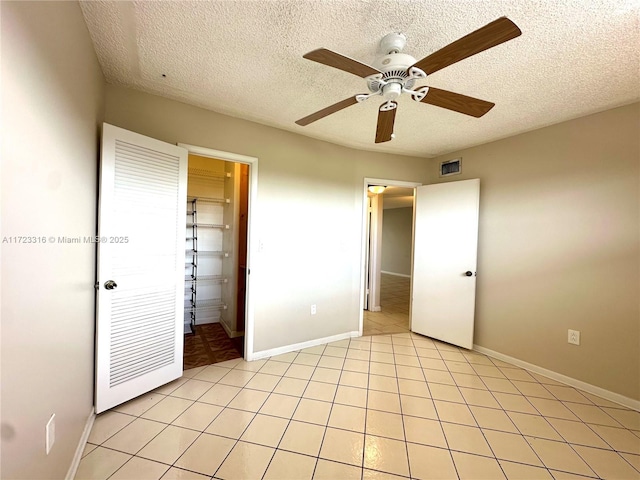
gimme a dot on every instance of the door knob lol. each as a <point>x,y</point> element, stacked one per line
<point>110,285</point>
<point>468,273</point>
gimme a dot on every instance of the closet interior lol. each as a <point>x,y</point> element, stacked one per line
<point>215,261</point>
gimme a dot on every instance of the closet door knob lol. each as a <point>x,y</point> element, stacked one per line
<point>468,273</point>
<point>110,285</point>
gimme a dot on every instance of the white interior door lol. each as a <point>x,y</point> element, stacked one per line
<point>139,339</point>
<point>444,261</point>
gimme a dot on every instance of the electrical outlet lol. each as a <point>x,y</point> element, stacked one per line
<point>574,337</point>
<point>50,433</point>
<point>313,309</point>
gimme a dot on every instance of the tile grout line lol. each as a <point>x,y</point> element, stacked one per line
<point>391,438</point>
<point>525,437</point>
<point>223,409</point>
<point>570,445</point>
<point>294,412</point>
<point>455,467</point>
<point>478,424</point>
<point>342,370</point>
<point>404,429</point>
<point>482,431</point>
<point>366,414</point>
<point>326,426</point>
<point>166,425</point>
<point>506,413</point>
<point>493,429</point>
<point>127,453</point>
<point>201,433</point>
<point>256,414</point>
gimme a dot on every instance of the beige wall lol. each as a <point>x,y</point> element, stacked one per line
<point>308,211</point>
<point>397,232</point>
<point>559,247</point>
<point>52,99</point>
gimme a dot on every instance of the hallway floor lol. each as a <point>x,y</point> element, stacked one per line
<point>394,301</point>
<point>377,407</point>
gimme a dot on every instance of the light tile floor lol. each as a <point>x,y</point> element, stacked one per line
<point>377,407</point>
<point>394,301</point>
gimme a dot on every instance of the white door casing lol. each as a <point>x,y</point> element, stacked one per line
<point>139,338</point>
<point>375,253</point>
<point>445,249</point>
<point>253,243</point>
<point>367,254</point>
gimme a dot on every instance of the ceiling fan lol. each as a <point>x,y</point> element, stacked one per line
<point>395,73</point>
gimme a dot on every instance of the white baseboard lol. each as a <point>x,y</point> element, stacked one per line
<point>375,309</point>
<point>231,333</point>
<point>299,346</point>
<point>73,468</point>
<point>579,384</point>
<point>395,274</point>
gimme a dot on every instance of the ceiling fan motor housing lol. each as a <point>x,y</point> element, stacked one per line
<point>392,90</point>
<point>394,68</point>
<point>392,42</point>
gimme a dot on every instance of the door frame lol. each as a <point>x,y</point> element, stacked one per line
<point>367,252</point>
<point>365,234</point>
<point>252,243</point>
<point>374,263</point>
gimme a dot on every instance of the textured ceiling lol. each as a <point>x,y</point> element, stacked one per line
<point>244,59</point>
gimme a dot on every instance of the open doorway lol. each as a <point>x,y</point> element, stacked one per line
<point>387,252</point>
<point>215,263</point>
<point>232,249</point>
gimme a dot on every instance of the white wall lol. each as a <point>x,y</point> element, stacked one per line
<point>397,230</point>
<point>308,211</point>
<point>52,100</point>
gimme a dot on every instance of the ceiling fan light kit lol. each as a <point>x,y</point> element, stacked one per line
<point>394,73</point>
<point>377,189</point>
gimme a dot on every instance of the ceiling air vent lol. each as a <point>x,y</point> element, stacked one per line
<point>452,167</point>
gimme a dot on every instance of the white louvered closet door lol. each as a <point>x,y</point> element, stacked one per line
<point>139,331</point>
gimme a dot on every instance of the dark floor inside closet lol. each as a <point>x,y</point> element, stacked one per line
<point>210,344</point>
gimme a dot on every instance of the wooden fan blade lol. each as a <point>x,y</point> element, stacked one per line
<point>346,64</point>
<point>456,102</point>
<point>386,119</point>
<point>327,111</point>
<point>495,33</point>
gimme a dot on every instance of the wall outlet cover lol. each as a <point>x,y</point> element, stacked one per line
<point>574,337</point>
